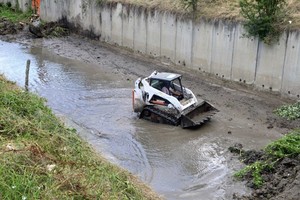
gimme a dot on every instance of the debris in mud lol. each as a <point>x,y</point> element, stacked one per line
<point>51,29</point>
<point>8,27</point>
<point>36,27</point>
<point>236,148</point>
<point>279,176</point>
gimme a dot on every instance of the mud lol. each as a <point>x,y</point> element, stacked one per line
<point>280,182</point>
<point>92,84</point>
<point>8,27</point>
<point>50,29</point>
<point>36,28</point>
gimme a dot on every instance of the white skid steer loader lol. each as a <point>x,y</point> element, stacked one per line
<point>161,97</point>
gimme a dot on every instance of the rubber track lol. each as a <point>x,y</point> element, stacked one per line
<point>166,116</point>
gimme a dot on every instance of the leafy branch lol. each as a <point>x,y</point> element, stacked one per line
<point>264,18</point>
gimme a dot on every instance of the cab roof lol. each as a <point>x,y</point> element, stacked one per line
<point>165,76</point>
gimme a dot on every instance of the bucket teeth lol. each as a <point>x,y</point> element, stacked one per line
<point>199,116</point>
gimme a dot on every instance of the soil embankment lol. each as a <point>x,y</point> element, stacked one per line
<point>272,177</point>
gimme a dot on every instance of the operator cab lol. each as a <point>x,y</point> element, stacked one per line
<point>168,83</point>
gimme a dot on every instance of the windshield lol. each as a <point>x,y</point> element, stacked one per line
<point>176,84</point>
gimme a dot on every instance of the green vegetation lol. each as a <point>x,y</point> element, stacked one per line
<point>191,4</point>
<point>286,147</point>
<point>14,15</point>
<point>59,32</point>
<point>41,159</point>
<point>290,112</point>
<point>99,2</point>
<point>264,18</point>
<point>255,170</point>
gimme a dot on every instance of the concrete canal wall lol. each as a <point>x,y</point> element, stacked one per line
<point>216,47</point>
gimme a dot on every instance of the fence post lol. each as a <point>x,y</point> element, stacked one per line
<point>27,75</point>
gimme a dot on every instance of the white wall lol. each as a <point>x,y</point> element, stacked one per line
<point>244,57</point>
<point>270,61</point>
<point>291,70</point>
<point>183,50</point>
<point>202,46</point>
<point>128,27</point>
<point>222,49</point>
<point>153,33</point>
<point>168,36</point>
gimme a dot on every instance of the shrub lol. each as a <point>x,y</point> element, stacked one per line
<point>190,4</point>
<point>290,112</point>
<point>264,18</point>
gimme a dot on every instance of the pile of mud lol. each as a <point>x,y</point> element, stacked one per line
<point>280,182</point>
<point>38,29</point>
<point>8,27</point>
<point>51,29</point>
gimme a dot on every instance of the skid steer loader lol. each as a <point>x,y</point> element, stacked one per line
<point>161,97</point>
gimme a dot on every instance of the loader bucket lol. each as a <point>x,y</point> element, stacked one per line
<point>198,116</point>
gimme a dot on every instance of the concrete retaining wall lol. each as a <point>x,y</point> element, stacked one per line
<point>244,57</point>
<point>291,68</point>
<point>216,47</point>
<point>202,46</point>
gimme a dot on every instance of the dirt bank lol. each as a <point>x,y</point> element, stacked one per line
<point>237,103</point>
<point>281,181</point>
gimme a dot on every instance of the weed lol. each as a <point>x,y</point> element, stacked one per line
<point>263,18</point>
<point>287,146</point>
<point>59,32</point>
<point>255,171</point>
<point>191,4</point>
<point>100,2</point>
<point>14,15</point>
<point>290,112</point>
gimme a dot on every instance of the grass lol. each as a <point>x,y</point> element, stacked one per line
<point>291,112</point>
<point>255,169</point>
<point>42,159</point>
<point>14,15</point>
<point>214,9</point>
<point>286,147</point>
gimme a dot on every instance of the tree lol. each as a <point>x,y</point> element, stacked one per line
<point>190,3</point>
<point>264,18</point>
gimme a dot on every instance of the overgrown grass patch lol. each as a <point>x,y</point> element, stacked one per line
<point>42,159</point>
<point>290,112</point>
<point>287,146</point>
<point>254,170</point>
<point>13,14</point>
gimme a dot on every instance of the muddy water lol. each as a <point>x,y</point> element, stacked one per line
<point>177,163</point>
